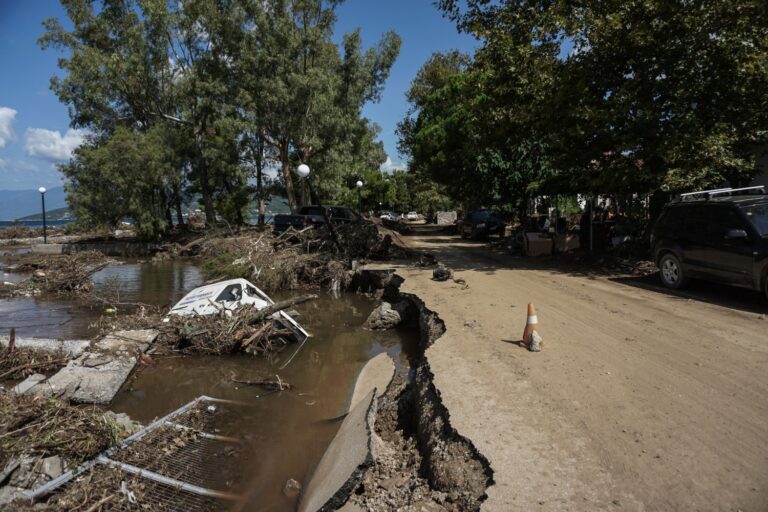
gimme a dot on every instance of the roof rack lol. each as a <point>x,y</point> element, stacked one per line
<point>707,194</point>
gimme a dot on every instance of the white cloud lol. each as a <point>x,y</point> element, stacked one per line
<point>389,166</point>
<point>17,166</point>
<point>50,145</point>
<point>7,116</point>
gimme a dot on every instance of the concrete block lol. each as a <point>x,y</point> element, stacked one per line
<point>48,249</point>
<point>343,463</point>
<point>28,383</point>
<point>73,348</point>
<point>127,341</point>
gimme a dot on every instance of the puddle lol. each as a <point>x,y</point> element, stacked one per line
<point>287,432</point>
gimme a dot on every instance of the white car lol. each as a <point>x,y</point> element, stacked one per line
<point>228,296</point>
<point>412,216</point>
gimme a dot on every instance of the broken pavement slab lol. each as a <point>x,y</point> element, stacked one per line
<point>73,348</point>
<point>95,377</point>
<point>376,374</point>
<point>28,383</point>
<point>345,460</point>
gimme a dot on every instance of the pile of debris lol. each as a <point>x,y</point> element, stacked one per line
<point>21,362</point>
<point>61,273</point>
<point>246,329</point>
<point>41,438</point>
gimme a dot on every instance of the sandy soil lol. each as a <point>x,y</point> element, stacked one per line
<point>642,399</point>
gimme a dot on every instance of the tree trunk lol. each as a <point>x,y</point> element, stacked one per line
<point>260,181</point>
<point>205,190</point>
<point>179,214</point>
<point>288,177</point>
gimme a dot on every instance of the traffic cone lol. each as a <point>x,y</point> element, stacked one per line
<point>531,325</point>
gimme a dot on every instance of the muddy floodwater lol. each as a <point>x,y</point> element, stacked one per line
<point>285,433</point>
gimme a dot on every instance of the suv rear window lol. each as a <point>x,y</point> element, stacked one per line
<point>481,215</point>
<point>758,216</point>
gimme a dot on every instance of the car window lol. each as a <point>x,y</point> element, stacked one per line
<point>312,210</point>
<point>721,220</point>
<point>481,215</point>
<point>758,216</point>
<point>694,221</point>
<point>230,293</point>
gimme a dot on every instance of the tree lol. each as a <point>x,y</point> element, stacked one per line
<point>300,94</point>
<point>655,94</point>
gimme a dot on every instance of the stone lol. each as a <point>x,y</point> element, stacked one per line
<point>53,467</point>
<point>10,493</point>
<point>387,316</point>
<point>28,383</point>
<point>28,475</point>
<point>127,341</point>
<point>442,273</point>
<point>292,488</point>
<point>534,342</point>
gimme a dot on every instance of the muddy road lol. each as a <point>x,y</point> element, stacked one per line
<point>641,399</point>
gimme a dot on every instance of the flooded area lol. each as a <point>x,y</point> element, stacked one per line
<point>156,283</point>
<point>284,433</point>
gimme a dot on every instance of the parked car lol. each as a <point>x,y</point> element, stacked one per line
<point>412,216</point>
<point>313,216</point>
<point>480,224</point>
<point>389,216</point>
<point>717,235</point>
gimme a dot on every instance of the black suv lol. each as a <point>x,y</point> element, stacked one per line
<point>481,224</point>
<point>717,235</point>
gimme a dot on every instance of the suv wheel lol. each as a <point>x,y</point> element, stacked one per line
<point>671,271</point>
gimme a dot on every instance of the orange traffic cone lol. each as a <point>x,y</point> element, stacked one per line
<point>531,326</point>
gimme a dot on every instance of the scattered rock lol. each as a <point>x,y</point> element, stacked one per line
<point>52,467</point>
<point>442,273</point>
<point>387,316</point>
<point>292,488</point>
<point>124,421</point>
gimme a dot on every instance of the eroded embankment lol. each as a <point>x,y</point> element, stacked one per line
<point>420,459</point>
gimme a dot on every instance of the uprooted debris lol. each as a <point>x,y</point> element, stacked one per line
<point>61,273</point>
<point>245,329</point>
<point>36,428</point>
<point>21,362</point>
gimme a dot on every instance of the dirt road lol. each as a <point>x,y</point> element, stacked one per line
<point>640,400</point>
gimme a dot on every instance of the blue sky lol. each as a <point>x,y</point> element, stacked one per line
<point>34,126</point>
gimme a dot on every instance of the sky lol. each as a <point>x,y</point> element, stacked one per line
<point>34,127</point>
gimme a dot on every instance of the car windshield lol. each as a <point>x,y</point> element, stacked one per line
<point>481,215</point>
<point>758,216</point>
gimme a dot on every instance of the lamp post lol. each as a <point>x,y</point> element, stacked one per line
<point>359,185</point>
<point>42,198</point>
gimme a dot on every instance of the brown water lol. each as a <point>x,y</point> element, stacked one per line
<point>285,433</point>
<point>157,283</point>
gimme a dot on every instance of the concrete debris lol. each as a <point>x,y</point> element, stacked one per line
<point>376,374</point>
<point>344,462</point>
<point>534,342</point>
<point>96,377</point>
<point>52,467</point>
<point>387,316</point>
<point>124,421</point>
<point>28,383</point>
<point>72,348</point>
<point>446,218</point>
<point>10,493</point>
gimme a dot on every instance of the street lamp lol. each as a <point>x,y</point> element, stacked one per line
<point>42,198</point>
<point>359,185</point>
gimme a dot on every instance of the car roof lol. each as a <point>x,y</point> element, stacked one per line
<point>745,200</point>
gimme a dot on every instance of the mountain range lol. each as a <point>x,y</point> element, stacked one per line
<point>15,204</point>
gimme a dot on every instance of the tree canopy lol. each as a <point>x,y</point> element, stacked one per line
<point>218,91</point>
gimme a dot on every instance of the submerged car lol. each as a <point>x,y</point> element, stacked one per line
<point>230,295</point>
<point>718,235</point>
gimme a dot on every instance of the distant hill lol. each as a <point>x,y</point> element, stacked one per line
<point>21,203</point>
<point>57,214</point>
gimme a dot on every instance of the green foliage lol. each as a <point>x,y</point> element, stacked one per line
<point>656,95</point>
<point>232,86</point>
